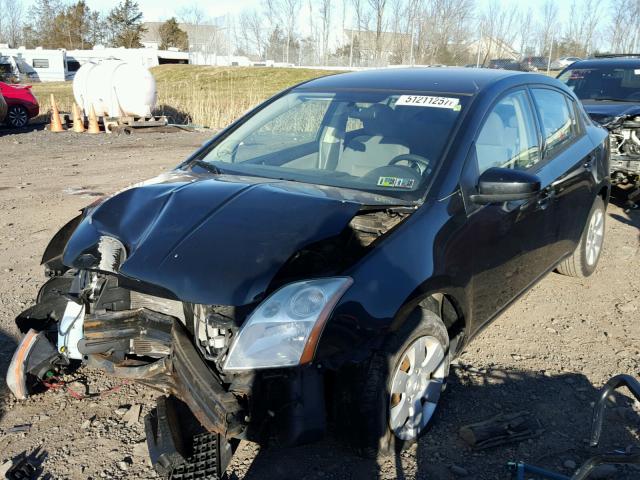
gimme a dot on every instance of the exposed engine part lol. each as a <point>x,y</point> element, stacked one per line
<point>371,225</point>
<point>70,330</point>
<point>624,139</point>
<point>163,305</point>
<point>213,330</point>
<point>625,149</point>
<point>138,332</point>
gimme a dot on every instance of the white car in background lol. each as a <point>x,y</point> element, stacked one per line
<point>563,62</point>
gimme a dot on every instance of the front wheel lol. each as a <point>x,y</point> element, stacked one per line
<point>403,384</point>
<point>584,259</point>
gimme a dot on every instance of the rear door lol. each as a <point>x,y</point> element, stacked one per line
<point>510,241</point>
<point>569,155</point>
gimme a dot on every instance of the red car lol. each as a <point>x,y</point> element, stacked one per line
<point>22,105</point>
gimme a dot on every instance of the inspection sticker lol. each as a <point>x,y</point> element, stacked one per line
<point>428,101</point>
<point>396,182</point>
<point>636,71</point>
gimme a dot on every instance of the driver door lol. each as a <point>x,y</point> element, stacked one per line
<point>510,241</point>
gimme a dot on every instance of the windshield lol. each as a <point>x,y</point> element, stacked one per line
<point>380,142</point>
<point>604,83</point>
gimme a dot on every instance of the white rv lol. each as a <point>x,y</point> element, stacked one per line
<point>34,65</point>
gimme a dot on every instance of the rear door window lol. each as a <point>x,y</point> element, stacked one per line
<point>508,138</point>
<point>559,126</point>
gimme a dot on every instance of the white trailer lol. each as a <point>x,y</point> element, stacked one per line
<point>36,65</point>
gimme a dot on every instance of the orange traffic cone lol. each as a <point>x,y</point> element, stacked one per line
<point>78,119</point>
<point>56,124</point>
<point>93,121</point>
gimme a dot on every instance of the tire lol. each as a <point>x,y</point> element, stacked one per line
<point>584,259</point>
<point>17,116</point>
<point>375,396</point>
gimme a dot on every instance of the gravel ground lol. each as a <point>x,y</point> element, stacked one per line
<point>548,354</point>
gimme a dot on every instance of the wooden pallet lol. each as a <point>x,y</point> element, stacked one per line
<point>129,123</point>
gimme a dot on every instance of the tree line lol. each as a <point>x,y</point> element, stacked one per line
<point>354,32</point>
<point>69,25</point>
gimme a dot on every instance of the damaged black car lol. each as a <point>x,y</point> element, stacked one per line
<point>317,265</point>
<point>609,88</point>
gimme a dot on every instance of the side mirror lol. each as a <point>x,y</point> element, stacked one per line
<point>497,185</point>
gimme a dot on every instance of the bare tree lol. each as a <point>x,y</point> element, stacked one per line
<point>624,28</point>
<point>526,28</point>
<point>500,27</point>
<point>291,9</point>
<point>441,33</point>
<point>252,24</point>
<point>378,9</point>
<point>548,27</point>
<point>196,18</point>
<point>582,25</point>
<point>361,14</point>
<point>325,17</point>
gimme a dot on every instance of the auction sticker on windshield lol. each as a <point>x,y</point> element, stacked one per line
<point>428,101</point>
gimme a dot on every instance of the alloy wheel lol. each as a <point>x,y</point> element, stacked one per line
<point>595,236</point>
<point>18,117</point>
<point>416,386</point>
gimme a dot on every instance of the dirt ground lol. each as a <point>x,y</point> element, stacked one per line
<point>548,354</point>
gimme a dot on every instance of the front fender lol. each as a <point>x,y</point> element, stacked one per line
<point>52,256</point>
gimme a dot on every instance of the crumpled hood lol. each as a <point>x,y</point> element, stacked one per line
<point>206,239</point>
<point>605,112</point>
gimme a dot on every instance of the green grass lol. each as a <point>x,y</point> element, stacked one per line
<point>202,95</point>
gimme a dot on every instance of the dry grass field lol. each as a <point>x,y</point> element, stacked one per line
<point>201,95</point>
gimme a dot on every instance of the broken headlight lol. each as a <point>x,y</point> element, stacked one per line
<point>284,329</point>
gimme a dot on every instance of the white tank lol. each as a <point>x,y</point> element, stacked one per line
<point>115,88</point>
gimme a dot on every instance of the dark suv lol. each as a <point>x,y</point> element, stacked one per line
<point>609,88</point>
<point>534,64</point>
<point>319,263</point>
<point>504,64</point>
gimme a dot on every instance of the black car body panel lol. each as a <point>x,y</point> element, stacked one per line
<point>605,113</point>
<point>208,240</point>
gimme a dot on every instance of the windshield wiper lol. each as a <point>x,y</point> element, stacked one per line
<point>207,166</point>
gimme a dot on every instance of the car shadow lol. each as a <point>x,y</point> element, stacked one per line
<point>560,402</point>
<point>30,127</point>
<point>632,218</point>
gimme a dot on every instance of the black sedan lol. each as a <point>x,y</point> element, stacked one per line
<point>319,263</point>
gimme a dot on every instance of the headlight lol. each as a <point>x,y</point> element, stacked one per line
<point>284,329</point>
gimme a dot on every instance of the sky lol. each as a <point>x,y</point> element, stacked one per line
<point>159,10</point>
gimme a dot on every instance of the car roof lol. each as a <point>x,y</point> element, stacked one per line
<point>611,62</point>
<point>465,81</point>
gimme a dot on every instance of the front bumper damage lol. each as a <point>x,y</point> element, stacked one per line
<point>204,413</point>
<point>165,360</point>
<point>181,373</point>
